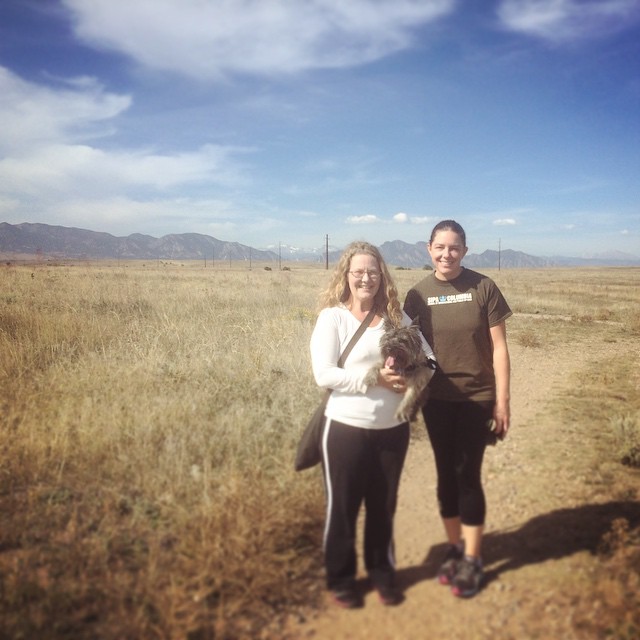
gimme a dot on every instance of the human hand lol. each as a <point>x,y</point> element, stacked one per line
<point>501,417</point>
<point>391,379</point>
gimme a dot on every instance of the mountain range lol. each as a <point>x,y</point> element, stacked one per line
<point>49,242</point>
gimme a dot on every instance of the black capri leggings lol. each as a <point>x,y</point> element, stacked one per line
<point>457,431</point>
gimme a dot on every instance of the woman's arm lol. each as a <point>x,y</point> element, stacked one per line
<point>502,372</point>
<point>325,347</point>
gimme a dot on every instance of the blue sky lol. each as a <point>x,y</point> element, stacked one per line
<point>281,121</point>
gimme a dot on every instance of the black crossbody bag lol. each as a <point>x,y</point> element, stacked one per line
<point>308,453</point>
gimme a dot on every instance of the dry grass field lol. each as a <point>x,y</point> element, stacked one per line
<point>149,415</point>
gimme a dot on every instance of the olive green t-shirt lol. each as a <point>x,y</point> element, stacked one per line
<point>455,317</point>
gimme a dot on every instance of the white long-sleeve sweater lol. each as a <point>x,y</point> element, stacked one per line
<point>352,402</point>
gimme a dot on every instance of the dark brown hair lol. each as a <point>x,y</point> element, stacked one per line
<point>449,225</point>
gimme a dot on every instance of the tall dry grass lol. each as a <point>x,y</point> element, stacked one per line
<point>149,416</point>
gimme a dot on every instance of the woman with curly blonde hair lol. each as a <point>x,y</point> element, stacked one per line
<point>363,444</point>
<point>337,292</point>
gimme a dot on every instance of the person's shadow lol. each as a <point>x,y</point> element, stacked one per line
<point>550,536</point>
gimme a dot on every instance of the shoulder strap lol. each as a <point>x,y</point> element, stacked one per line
<point>356,336</point>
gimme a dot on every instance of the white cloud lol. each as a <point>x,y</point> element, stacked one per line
<point>122,215</point>
<point>80,168</point>
<point>33,115</point>
<point>563,20</point>
<point>8,205</point>
<point>210,38</point>
<point>366,219</point>
<point>43,126</point>
<point>421,219</point>
<point>52,168</point>
<point>502,222</point>
<point>398,218</point>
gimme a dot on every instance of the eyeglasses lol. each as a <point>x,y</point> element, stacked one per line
<point>358,274</point>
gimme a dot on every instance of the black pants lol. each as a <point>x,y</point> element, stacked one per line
<point>457,431</point>
<point>361,465</point>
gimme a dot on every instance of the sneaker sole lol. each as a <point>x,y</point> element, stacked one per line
<point>465,594</point>
<point>390,602</point>
<point>346,604</point>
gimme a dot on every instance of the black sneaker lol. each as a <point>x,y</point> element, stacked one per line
<point>449,565</point>
<point>347,598</point>
<point>389,595</point>
<point>468,578</point>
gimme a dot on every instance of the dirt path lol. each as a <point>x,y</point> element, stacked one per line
<point>543,517</point>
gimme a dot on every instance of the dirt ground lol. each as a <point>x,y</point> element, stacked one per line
<point>548,507</point>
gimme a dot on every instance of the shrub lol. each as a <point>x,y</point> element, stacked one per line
<point>528,338</point>
<point>626,430</point>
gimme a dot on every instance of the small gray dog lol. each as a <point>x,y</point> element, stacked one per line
<point>401,349</point>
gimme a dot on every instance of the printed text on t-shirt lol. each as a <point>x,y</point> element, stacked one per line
<point>452,299</point>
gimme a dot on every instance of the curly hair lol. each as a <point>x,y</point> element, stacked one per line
<point>386,301</point>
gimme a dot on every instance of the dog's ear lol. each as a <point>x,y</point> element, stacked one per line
<point>387,324</point>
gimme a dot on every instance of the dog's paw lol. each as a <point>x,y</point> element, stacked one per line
<point>405,416</point>
<point>371,379</point>
<point>404,412</point>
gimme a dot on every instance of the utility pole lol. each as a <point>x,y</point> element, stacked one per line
<point>326,252</point>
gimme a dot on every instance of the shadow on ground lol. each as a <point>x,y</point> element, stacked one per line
<point>551,536</point>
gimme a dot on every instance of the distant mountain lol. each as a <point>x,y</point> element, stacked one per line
<point>403,254</point>
<point>66,242</point>
<point>56,242</point>
<point>612,258</point>
<point>414,256</point>
<point>508,259</point>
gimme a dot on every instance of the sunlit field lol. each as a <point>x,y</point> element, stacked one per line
<point>149,417</point>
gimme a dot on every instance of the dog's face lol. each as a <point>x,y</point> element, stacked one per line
<point>401,347</point>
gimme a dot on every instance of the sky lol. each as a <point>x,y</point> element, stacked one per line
<point>271,122</point>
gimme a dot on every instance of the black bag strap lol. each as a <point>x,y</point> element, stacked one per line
<point>356,336</point>
<point>352,343</point>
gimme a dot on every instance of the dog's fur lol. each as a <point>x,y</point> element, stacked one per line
<point>401,349</point>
